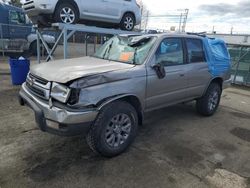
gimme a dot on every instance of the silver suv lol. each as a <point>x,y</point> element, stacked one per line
<point>107,94</point>
<point>125,13</point>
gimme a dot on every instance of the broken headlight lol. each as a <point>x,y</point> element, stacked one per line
<point>74,96</point>
<point>60,92</point>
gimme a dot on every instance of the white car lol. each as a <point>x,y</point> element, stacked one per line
<point>125,13</point>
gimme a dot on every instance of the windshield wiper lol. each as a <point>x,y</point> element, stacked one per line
<point>108,50</point>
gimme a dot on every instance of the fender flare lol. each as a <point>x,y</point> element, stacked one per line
<point>211,80</point>
<point>108,100</point>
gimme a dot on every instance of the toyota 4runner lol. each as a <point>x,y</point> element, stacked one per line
<point>107,94</point>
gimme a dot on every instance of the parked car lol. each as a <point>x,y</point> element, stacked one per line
<point>107,94</point>
<point>16,32</point>
<point>125,13</point>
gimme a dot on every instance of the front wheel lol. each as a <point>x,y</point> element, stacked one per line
<point>114,129</point>
<point>208,104</point>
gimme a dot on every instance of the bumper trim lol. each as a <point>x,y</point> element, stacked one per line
<point>69,123</point>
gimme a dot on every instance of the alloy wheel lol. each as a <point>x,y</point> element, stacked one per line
<point>128,23</point>
<point>213,100</point>
<point>67,15</point>
<point>118,130</point>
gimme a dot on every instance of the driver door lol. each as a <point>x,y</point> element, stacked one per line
<point>172,88</point>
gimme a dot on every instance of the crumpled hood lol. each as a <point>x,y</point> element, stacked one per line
<point>63,71</point>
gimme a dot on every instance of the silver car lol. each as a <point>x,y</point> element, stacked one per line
<point>125,13</point>
<point>107,94</point>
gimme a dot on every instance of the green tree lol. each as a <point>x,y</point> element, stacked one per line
<point>16,3</point>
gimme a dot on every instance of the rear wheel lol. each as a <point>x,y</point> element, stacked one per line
<point>208,104</point>
<point>127,22</point>
<point>66,13</point>
<point>114,129</point>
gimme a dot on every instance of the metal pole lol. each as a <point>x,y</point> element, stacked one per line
<point>238,63</point>
<point>38,47</point>
<point>180,22</point>
<point>65,44</point>
<point>95,41</point>
<point>86,44</point>
<point>2,40</point>
<point>247,75</point>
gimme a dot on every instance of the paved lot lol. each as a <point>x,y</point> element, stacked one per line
<point>174,148</point>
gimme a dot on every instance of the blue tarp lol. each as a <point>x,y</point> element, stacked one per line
<point>217,56</point>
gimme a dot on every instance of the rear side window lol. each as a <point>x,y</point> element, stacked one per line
<point>195,51</point>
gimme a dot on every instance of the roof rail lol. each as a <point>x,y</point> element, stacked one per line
<point>201,34</point>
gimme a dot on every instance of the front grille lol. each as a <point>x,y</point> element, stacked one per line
<point>38,79</point>
<point>38,86</point>
<point>35,90</point>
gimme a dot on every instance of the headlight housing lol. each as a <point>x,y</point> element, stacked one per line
<point>60,92</point>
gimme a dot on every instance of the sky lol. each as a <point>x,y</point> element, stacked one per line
<point>220,15</point>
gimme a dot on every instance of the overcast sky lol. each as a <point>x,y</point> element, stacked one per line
<point>203,15</point>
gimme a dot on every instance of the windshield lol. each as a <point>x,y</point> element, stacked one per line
<point>127,49</point>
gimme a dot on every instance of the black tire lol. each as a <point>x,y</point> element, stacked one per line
<point>209,102</point>
<point>97,137</point>
<point>128,22</point>
<point>66,7</point>
<point>33,48</point>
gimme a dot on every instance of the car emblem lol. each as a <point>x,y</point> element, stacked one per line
<point>32,81</point>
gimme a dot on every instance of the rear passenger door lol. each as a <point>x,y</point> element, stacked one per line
<point>198,71</point>
<point>172,88</point>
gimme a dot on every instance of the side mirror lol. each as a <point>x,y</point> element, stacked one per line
<point>159,69</point>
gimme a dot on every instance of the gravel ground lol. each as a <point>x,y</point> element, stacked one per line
<point>174,148</point>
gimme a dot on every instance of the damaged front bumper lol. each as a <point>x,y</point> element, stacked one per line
<point>57,120</point>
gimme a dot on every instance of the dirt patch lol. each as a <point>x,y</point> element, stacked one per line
<point>241,133</point>
<point>182,156</point>
<point>241,115</point>
<point>43,165</point>
<point>223,178</point>
<point>222,145</point>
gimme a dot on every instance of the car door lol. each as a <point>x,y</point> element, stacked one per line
<point>170,89</point>
<point>92,8</point>
<point>197,70</point>
<point>17,25</point>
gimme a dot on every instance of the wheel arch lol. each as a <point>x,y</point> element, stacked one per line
<point>131,99</point>
<point>73,3</point>
<point>128,12</point>
<point>218,80</point>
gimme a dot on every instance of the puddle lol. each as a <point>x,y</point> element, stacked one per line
<point>241,133</point>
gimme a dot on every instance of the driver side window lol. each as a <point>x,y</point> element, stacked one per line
<point>170,52</point>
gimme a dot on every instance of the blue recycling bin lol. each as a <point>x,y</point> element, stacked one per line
<point>19,69</point>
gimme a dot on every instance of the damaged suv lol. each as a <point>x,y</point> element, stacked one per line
<point>107,94</point>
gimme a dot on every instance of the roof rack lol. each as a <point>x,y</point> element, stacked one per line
<point>201,34</point>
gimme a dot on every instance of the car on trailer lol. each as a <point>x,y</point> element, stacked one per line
<point>17,36</point>
<point>124,13</point>
<point>106,95</point>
